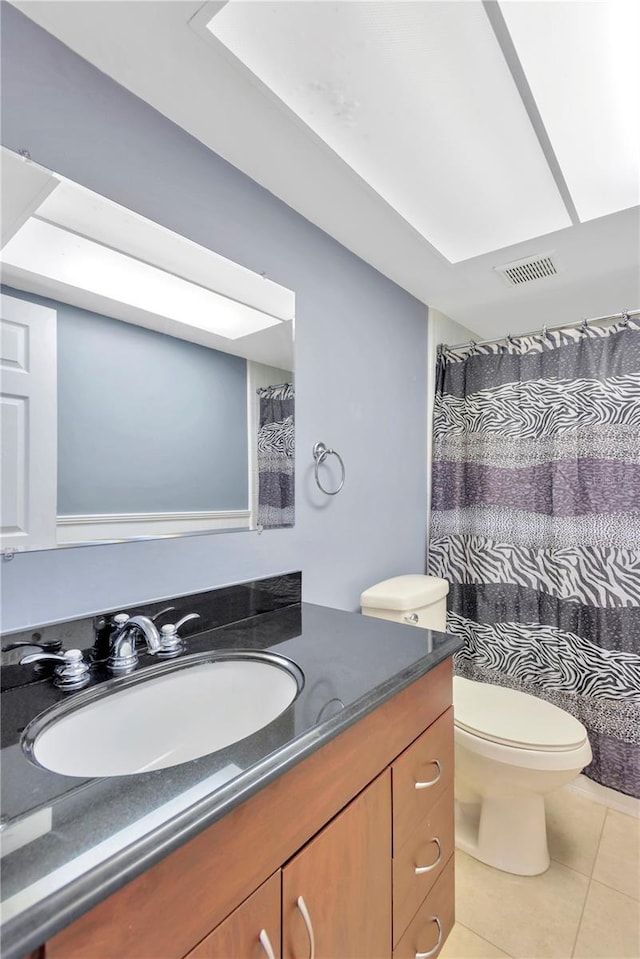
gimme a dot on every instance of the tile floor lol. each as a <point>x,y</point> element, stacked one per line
<point>585,906</point>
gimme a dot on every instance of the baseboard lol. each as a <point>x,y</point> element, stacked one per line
<point>605,796</point>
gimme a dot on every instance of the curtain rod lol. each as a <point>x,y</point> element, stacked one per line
<point>545,329</point>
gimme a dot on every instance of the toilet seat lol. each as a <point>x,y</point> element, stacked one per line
<point>514,719</point>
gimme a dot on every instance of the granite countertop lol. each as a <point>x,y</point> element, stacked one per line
<point>101,833</point>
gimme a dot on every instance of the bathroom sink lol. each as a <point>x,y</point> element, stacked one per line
<point>180,711</point>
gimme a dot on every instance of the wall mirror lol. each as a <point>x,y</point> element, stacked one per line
<point>147,382</point>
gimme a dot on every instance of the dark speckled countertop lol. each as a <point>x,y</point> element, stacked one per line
<point>105,832</point>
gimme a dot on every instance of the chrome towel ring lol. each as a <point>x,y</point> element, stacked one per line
<point>320,453</point>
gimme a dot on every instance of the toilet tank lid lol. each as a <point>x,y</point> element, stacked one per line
<point>405,592</point>
<point>513,718</point>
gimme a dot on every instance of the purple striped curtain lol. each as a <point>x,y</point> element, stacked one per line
<point>276,447</point>
<point>536,525</point>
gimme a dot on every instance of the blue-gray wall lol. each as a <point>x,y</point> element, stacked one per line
<point>360,354</point>
<point>146,422</point>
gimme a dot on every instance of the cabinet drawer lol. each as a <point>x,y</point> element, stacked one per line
<point>240,934</point>
<point>434,921</point>
<point>418,864</point>
<point>421,775</point>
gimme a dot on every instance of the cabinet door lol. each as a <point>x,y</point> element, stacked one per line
<point>336,893</point>
<point>252,931</point>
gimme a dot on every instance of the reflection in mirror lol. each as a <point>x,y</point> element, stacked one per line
<point>147,382</point>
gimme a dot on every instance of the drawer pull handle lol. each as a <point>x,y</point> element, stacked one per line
<point>432,952</point>
<point>420,870</point>
<point>266,944</point>
<point>302,906</point>
<point>431,782</point>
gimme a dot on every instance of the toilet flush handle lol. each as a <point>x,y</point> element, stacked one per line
<point>431,782</point>
<point>412,618</point>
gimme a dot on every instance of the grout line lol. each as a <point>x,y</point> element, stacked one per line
<point>584,906</point>
<point>601,882</point>
<point>488,941</point>
<point>595,859</point>
<point>590,877</point>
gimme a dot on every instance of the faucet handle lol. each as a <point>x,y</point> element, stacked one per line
<point>185,619</point>
<point>46,645</point>
<point>171,643</point>
<point>167,609</point>
<point>73,671</point>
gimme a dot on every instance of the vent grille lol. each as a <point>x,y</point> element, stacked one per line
<point>524,271</point>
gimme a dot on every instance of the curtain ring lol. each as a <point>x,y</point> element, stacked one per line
<point>625,318</point>
<point>584,326</point>
<point>320,453</point>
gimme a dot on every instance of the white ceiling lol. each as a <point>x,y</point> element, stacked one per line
<point>434,139</point>
<point>63,241</point>
<point>392,89</point>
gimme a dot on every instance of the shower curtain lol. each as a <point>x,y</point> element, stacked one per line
<point>536,524</point>
<point>276,456</point>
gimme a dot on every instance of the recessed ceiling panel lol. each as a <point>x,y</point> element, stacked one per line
<point>68,260</point>
<point>418,100</point>
<point>581,62</point>
<point>84,212</point>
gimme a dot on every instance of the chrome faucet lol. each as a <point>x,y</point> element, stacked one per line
<point>123,654</point>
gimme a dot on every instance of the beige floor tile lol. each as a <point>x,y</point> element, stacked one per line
<point>464,944</point>
<point>618,860</point>
<point>529,917</point>
<point>574,827</point>
<point>610,927</point>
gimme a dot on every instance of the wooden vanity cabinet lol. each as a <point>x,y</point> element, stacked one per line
<point>251,931</point>
<point>336,893</point>
<point>346,829</point>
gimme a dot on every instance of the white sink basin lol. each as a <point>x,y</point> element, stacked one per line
<point>189,711</point>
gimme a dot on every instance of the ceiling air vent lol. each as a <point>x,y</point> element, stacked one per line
<point>531,268</point>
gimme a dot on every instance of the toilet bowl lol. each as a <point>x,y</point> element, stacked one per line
<point>510,748</point>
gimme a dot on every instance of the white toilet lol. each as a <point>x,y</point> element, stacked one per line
<point>511,748</point>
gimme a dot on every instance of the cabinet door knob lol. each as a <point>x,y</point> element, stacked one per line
<point>266,944</point>
<point>433,781</point>
<point>420,870</point>
<point>432,952</point>
<point>302,906</point>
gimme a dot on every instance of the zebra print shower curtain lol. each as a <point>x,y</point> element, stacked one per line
<point>536,525</point>
<point>276,432</point>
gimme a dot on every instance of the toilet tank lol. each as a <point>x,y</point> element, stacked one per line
<point>415,599</point>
